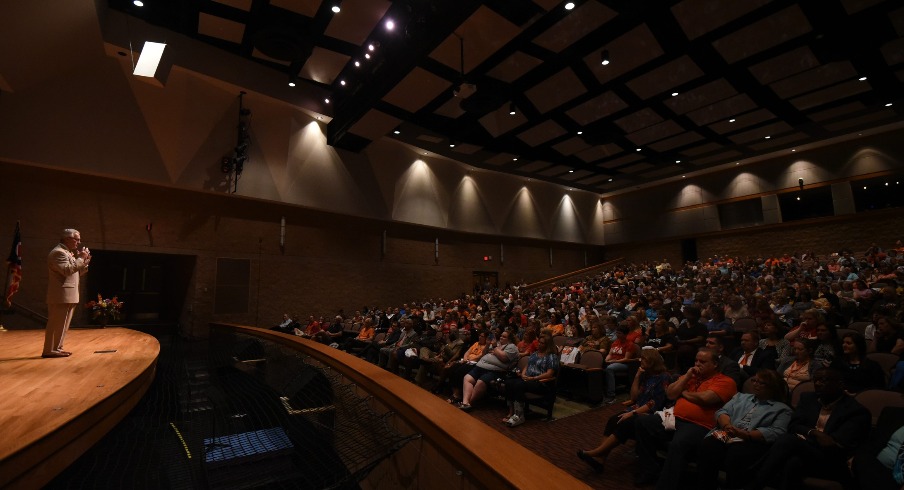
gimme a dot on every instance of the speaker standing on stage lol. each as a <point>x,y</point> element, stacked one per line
<point>65,264</point>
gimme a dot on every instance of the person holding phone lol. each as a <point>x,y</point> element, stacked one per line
<point>66,263</point>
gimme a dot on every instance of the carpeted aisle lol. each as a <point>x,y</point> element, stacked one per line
<point>558,442</point>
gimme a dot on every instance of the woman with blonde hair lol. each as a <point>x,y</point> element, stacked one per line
<point>647,396</point>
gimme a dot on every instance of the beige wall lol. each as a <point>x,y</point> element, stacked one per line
<point>329,261</point>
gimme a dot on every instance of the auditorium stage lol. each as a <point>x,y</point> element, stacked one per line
<point>52,410</point>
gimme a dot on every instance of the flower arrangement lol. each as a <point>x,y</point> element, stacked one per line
<point>105,309</point>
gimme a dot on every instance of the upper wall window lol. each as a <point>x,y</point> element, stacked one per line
<point>878,193</point>
<point>808,203</point>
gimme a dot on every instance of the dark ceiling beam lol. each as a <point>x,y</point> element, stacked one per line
<point>401,54</point>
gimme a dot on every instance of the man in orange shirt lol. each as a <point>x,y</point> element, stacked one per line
<point>698,394</point>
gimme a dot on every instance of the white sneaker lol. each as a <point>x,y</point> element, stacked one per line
<point>515,420</point>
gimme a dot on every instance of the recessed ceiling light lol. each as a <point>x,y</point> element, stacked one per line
<point>357,63</point>
<point>138,3</point>
<point>291,84</point>
<point>610,179</point>
<point>390,25</point>
<point>798,198</point>
<point>638,149</point>
<point>683,176</point>
<point>572,171</point>
<point>767,137</point>
<point>335,9</point>
<point>862,79</point>
<point>888,105</point>
<point>326,101</point>
<point>677,161</point>
<point>396,132</point>
<point>370,47</point>
<point>737,163</point>
<point>515,159</point>
<point>452,145</point>
<point>864,187</point>
<point>367,56</point>
<point>342,82</point>
<point>731,120</point>
<point>569,5</point>
<point>580,133</point>
<point>674,94</point>
<point>793,149</point>
<point>886,183</point>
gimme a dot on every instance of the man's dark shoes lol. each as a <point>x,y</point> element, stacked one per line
<point>54,354</point>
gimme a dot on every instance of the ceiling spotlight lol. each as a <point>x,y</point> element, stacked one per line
<point>793,149</point>
<point>335,8</point>
<point>674,94</point>
<point>569,5</point>
<point>390,25</point>
<point>862,79</point>
<point>326,101</point>
<point>638,149</point>
<point>731,120</point>
<point>580,133</point>
<point>138,3</point>
<point>367,55</point>
<point>610,179</point>
<point>291,83</point>
<point>888,105</point>
<point>604,57</point>
<point>452,144</point>
<point>572,171</point>
<point>342,82</point>
<point>512,108</point>
<point>515,159</point>
<point>684,176</point>
<point>767,137</point>
<point>357,63</point>
<point>677,161</point>
<point>737,163</point>
<point>371,47</point>
<point>397,131</point>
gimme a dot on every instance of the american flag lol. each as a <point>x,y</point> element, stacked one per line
<point>14,271</point>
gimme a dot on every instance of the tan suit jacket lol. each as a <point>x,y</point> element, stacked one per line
<point>64,270</point>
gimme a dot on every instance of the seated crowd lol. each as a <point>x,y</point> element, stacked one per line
<point>712,352</point>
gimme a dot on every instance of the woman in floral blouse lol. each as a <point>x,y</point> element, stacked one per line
<point>542,367</point>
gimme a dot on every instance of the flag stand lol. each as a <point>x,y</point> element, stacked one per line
<point>2,328</point>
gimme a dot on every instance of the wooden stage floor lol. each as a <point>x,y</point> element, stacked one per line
<point>52,410</point>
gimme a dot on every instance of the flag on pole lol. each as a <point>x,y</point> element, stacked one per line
<point>14,265</point>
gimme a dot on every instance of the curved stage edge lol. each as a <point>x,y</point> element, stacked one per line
<point>491,459</point>
<point>52,410</point>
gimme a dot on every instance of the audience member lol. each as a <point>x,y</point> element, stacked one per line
<point>621,352</point>
<point>491,366</point>
<point>537,376</point>
<point>647,396</point>
<point>800,367</point>
<point>826,428</point>
<point>698,393</point>
<point>745,428</point>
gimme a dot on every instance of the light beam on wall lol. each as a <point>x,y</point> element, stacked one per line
<point>149,59</point>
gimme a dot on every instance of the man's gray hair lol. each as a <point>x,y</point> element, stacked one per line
<point>70,232</point>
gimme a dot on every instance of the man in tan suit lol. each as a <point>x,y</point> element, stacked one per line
<point>65,264</point>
